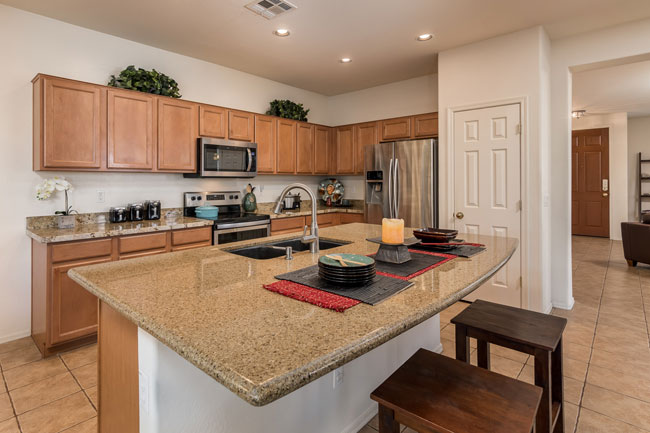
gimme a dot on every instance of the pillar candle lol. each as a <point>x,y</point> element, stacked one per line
<point>392,231</point>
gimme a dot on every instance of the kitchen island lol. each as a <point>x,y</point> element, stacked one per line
<point>207,307</point>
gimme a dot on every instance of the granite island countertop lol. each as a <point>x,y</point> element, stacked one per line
<point>209,306</point>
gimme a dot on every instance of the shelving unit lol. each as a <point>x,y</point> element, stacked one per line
<point>642,179</point>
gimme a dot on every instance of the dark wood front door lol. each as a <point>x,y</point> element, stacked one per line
<point>590,182</point>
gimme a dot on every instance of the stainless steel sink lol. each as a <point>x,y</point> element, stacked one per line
<point>266,251</point>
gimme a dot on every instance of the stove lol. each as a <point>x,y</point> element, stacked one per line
<point>232,224</point>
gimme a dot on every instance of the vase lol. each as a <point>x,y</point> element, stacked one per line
<point>65,221</point>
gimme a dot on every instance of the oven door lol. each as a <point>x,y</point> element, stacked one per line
<point>222,158</point>
<point>236,234</point>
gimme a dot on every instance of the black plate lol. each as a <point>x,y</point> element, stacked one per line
<point>347,271</point>
<point>347,277</point>
<point>349,282</point>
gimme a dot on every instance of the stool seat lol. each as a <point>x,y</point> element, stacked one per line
<point>433,393</point>
<point>541,331</point>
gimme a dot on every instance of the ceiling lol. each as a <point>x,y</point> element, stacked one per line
<point>379,35</point>
<point>616,89</point>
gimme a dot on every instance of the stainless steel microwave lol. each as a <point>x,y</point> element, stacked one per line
<point>225,158</point>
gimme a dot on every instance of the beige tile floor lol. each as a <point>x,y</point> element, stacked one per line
<point>606,344</point>
<point>606,363</point>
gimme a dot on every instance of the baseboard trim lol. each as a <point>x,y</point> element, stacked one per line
<point>565,306</point>
<point>438,348</point>
<point>15,336</point>
<point>362,419</point>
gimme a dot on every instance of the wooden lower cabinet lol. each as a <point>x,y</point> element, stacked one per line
<point>64,315</point>
<point>286,225</point>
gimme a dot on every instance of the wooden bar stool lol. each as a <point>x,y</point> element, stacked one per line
<point>526,331</point>
<point>433,393</point>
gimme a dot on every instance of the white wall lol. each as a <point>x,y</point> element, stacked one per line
<point>618,166</point>
<point>638,140</point>
<point>509,66</point>
<point>625,40</point>
<point>414,96</point>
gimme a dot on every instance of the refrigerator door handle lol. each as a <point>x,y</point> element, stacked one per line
<point>396,188</point>
<point>390,189</point>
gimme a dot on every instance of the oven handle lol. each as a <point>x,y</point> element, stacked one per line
<point>234,227</point>
<point>250,158</point>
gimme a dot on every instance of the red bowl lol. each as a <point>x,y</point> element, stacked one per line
<point>432,235</point>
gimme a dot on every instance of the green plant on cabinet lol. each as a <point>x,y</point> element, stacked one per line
<point>145,81</point>
<point>288,110</point>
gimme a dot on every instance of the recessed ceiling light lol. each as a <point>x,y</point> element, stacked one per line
<point>345,60</point>
<point>424,37</point>
<point>282,32</point>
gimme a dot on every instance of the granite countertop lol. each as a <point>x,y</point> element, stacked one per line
<point>210,307</point>
<point>89,230</point>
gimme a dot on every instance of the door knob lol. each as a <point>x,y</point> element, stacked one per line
<point>460,215</point>
<point>605,194</point>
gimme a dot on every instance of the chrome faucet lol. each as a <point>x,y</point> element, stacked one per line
<point>312,239</point>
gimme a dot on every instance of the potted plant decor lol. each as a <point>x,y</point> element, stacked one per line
<point>44,191</point>
<point>145,81</point>
<point>288,110</point>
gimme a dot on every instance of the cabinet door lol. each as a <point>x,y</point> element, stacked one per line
<point>345,150</point>
<point>322,149</point>
<point>365,134</point>
<point>287,225</point>
<point>395,129</point>
<point>348,218</point>
<point>241,125</point>
<point>285,131</point>
<point>425,125</point>
<point>73,125</point>
<point>265,139</point>
<point>305,149</point>
<point>130,130</point>
<point>74,309</point>
<point>212,121</point>
<point>177,135</point>
<point>333,153</point>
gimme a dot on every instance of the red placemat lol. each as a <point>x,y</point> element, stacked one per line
<point>313,296</point>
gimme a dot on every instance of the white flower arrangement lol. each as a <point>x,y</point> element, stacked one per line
<point>45,189</point>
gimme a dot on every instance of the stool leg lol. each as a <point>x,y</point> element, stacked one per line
<point>387,423</point>
<point>462,343</point>
<point>557,383</point>
<point>543,380</point>
<point>483,354</point>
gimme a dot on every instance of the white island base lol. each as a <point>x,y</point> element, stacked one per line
<point>177,397</point>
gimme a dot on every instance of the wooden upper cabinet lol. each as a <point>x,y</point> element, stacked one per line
<point>241,125</point>
<point>345,150</point>
<point>425,125</point>
<point>305,148</point>
<point>265,139</point>
<point>285,132</point>
<point>177,135</point>
<point>365,134</point>
<point>395,129</point>
<point>69,122</point>
<point>333,154</point>
<point>213,121</point>
<point>322,149</point>
<point>130,130</point>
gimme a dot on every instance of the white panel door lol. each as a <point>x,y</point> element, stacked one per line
<point>487,146</point>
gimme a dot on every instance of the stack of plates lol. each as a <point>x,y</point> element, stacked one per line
<point>354,274</point>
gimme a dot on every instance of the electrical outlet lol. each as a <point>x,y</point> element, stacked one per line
<point>144,392</point>
<point>101,196</point>
<point>338,377</point>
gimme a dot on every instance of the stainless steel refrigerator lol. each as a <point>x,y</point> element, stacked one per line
<point>402,182</point>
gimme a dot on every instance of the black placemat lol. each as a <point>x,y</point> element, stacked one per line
<point>416,264</point>
<point>379,290</point>
<point>460,251</point>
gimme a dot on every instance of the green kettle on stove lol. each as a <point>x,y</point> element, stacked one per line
<point>250,201</point>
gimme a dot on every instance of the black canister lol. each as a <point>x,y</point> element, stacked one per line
<point>135,211</point>
<point>152,209</point>
<point>117,215</point>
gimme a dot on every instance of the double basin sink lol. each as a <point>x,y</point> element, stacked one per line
<point>266,251</point>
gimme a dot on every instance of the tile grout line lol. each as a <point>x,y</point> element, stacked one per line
<point>79,383</point>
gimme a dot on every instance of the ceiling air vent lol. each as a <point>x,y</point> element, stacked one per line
<point>270,9</point>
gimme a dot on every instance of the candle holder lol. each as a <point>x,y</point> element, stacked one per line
<point>394,253</point>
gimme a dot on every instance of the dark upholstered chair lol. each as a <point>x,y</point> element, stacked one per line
<point>636,242</point>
